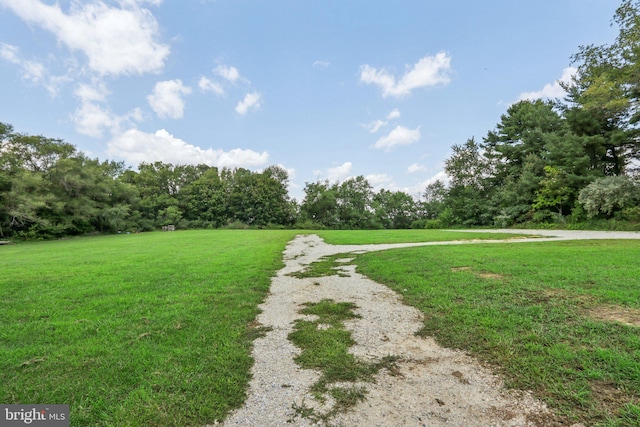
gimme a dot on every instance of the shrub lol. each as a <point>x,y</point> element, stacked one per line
<point>608,195</point>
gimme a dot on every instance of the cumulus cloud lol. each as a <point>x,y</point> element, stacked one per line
<point>375,126</point>
<point>228,73</point>
<point>381,180</point>
<point>92,118</point>
<point>428,71</point>
<point>336,174</point>
<point>551,90</point>
<point>393,114</point>
<point>207,85</point>
<point>135,146</point>
<point>417,191</point>
<point>96,92</point>
<point>116,40</point>
<point>398,136</point>
<point>32,71</point>
<point>166,99</point>
<point>251,101</point>
<point>413,168</point>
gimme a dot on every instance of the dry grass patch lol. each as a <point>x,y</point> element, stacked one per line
<point>615,313</point>
<point>481,274</point>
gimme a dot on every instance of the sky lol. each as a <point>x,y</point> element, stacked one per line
<point>327,89</point>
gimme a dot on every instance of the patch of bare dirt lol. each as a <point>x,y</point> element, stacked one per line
<point>482,274</point>
<point>615,313</point>
<point>490,276</point>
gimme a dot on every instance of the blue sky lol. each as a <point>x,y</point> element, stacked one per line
<point>328,89</point>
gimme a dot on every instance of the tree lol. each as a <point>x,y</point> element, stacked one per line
<point>433,200</point>
<point>605,92</point>
<point>205,199</point>
<point>354,199</point>
<point>519,149</point>
<point>260,198</point>
<point>608,195</point>
<point>394,209</point>
<point>26,204</point>
<point>320,203</point>
<point>467,200</point>
<point>553,193</point>
<point>523,131</point>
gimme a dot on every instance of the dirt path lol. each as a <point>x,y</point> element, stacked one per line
<point>434,386</point>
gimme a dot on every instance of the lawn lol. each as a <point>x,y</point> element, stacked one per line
<point>144,329</point>
<point>540,313</point>
<point>367,237</point>
<point>155,329</point>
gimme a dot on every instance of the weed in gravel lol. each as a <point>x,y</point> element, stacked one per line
<point>326,266</point>
<point>325,343</point>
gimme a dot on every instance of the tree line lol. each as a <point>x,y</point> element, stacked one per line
<point>561,161</point>
<point>49,189</point>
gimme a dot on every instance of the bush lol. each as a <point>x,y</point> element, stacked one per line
<point>631,214</point>
<point>608,195</point>
<point>308,224</point>
<point>434,224</point>
<point>236,225</point>
<point>419,224</point>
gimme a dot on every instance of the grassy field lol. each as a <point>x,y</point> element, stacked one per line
<point>540,313</point>
<point>366,237</point>
<point>149,329</point>
<point>155,329</point>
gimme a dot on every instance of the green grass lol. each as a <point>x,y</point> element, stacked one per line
<point>325,266</point>
<point>527,309</point>
<point>365,237</point>
<point>134,330</point>
<point>154,329</point>
<point>325,344</point>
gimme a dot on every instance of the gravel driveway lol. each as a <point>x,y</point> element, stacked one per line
<point>434,386</point>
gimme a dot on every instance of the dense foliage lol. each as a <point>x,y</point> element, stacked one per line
<point>560,161</point>
<point>49,189</point>
<point>545,162</point>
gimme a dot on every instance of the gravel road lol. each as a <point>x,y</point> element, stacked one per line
<point>434,386</point>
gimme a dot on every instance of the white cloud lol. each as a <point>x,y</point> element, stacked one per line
<point>207,85</point>
<point>381,180</point>
<point>166,99</point>
<point>116,40</point>
<point>429,71</point>
<point>394,114</point>
<point>417,191</point>
<point>336,174</point>
<point>91,93</point>
<point>398,136</point>
<point>228,73</point>
<point>135,146</point>
<point>93,119</point>
<point>551,91</point>
<point>321,64</point>
<point>375,126</point>
<point>9,53</point>
<point>250,101</point>
<point>413,168</point>
<point>31,70</point>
